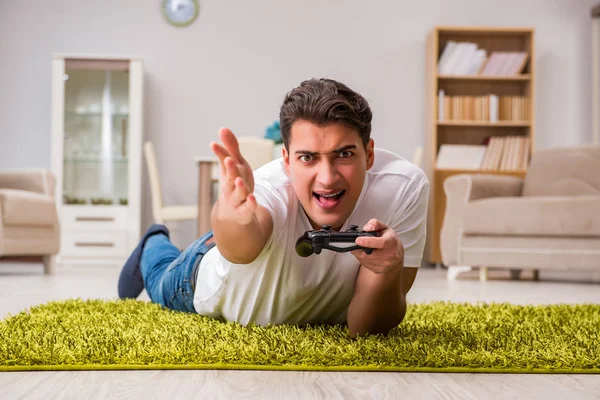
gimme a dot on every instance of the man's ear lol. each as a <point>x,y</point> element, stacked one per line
<point>370,153</point>
<point>286,159</point>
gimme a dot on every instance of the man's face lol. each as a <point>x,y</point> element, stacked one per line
<point>327,167</point>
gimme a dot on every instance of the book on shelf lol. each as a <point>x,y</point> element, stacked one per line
<point>502,63</point>
<point>460,156</point>
<point>490,107</point>
<point>465,58</point>
<point>501,153</point>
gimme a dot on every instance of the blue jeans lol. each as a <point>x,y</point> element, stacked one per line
<point>170,275</point>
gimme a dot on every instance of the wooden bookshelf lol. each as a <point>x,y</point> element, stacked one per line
<point>486,124</point>
<point>479,129</point>
<point>452,171</point>
<point>482,78</point>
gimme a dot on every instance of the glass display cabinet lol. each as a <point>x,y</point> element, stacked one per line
<point>96,156</point>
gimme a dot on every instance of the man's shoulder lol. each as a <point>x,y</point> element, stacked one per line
<point>272,185</point>
<point>272,173</point>
<point>393,169</point>
<point>398,188</point>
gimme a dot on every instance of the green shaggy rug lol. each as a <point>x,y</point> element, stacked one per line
<point>434,337</point>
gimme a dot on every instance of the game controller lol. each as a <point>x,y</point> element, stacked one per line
<point>316,240</point>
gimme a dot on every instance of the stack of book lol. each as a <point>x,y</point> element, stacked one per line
<point>506,153</point>
<point>465,58</point>
<point>490,108</point>
<point>502,153</point>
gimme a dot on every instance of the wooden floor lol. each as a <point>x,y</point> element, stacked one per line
<point>22,286</point>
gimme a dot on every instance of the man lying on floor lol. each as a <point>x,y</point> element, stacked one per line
<point>330,174</point>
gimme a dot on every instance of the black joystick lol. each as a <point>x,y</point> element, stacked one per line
<point>316,240</point>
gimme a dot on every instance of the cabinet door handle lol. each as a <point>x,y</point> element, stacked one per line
<point>94,244</point>
<point>94,219</point>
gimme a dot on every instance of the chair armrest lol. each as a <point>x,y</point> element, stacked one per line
<point>477,187</point>
<point>460,190</point>
<point>32,180</point>
<point>27,208</point>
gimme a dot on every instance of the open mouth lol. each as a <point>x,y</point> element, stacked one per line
<point>329,200</point>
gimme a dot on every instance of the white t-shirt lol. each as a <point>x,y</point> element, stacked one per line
<point>280,287</point>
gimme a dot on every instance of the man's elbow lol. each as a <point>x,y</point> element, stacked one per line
<point>240,257</point>
<point>377,328</point>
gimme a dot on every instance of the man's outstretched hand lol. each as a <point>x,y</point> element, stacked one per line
<point>388,252</point>
<point>241,227</point>
<point>236,201</point>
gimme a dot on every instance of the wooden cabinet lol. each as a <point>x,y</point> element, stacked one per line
<point>96,156</point>
<point>459,120</point>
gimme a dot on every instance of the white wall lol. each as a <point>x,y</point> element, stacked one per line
<point>234,65</point>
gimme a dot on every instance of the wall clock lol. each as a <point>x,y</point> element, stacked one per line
<point>180,12</point>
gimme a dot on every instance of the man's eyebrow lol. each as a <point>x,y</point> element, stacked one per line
<point>338,150</point>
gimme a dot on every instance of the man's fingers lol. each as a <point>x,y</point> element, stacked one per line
<point>231,170</point>
<point>239,194</point>
<point>246,211</point>
<point>221,154</point>
<point>228,174</point>
<point>228,147</point>
<point>219,151</point>
<point>230,144</point>
<point>249,206</point>
<point>372,242</point>
<point>374,225</point>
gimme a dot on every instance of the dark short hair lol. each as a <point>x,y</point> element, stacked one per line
<point>323,102</point>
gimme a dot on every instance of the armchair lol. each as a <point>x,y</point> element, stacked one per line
<point>29,227</point>
<point>549,220</point>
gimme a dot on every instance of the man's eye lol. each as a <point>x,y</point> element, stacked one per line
<point>305,158</point>
<point>346,154</point>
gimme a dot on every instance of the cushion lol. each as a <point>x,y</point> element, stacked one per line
<point>577,216</point>
<point>24,208</point>
<point>570,171</point>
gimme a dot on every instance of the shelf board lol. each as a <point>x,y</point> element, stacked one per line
<point>87,205</point>
<point>498,124</point>
<point>486,78</point>
<point>95,114</point>
<point>95,160</point>
<point>483,30</point>
<point>480,171</point>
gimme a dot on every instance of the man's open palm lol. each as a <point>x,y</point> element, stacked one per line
<point>236,201</point>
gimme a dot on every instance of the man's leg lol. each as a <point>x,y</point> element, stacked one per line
<point>169,276</point>
<point>131,283</point>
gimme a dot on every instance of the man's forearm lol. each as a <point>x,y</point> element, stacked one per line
<point>239,244</point>
<point>378,304</point>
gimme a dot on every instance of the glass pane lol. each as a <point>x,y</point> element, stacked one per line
<point>95,147</point>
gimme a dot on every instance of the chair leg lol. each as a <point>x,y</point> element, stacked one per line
<point>483,274</point>
<point>455,270</point>
<point>49,264</point>
<point>515,274</point>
